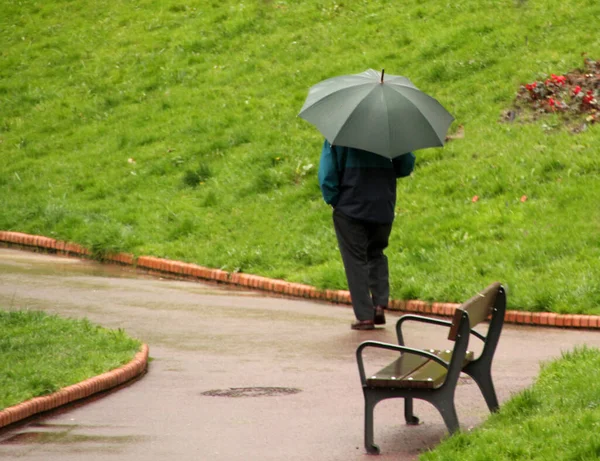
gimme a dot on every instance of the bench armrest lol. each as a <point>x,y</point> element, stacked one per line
<point>417,318</point>
<point>421,318</point>
<point>392,347</point>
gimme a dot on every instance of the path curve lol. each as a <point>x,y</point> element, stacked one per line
<point>113,378</point>
<point>161,266</point>
<point>237,375</point>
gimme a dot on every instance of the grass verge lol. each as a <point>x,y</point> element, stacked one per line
<point>41,353</point>
<point>558,418</point>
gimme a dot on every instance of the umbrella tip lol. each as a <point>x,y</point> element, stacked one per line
<point>382,72</point>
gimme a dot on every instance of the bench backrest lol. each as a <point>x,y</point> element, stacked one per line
<point>490,303</point>
<point>479,307</point>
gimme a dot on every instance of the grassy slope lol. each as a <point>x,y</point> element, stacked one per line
<point>203,97</point>
<point>557,418</point>
<point>40,353</point>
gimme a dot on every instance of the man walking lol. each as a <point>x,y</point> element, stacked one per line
<point>361,188</point>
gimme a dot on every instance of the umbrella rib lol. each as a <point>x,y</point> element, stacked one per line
<point>353,109</point>
<point>329,95</point>
<point>413,104</point>
<point>430,125</point>
<point>387,114</point>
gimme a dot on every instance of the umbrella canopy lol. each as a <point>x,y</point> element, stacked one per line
<point>389,117</point>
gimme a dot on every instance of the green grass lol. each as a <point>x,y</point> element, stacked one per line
<point>41,353</point>
<point>558,418</point>
<point>170,128</point>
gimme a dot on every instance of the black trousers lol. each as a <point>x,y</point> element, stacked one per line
<point>361,245</point>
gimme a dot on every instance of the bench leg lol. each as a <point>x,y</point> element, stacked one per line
<point>369,409</point>
<point>448,412</point>
<point>410,418</point>
<point>486,385</point>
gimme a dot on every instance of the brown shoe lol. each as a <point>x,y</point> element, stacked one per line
<point>363,325</point>
<point>379,315</point>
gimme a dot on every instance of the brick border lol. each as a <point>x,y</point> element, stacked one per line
<point>161,266</point>
<point>79,391</point>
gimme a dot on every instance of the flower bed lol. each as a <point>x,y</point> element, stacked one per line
<point>576,95</point>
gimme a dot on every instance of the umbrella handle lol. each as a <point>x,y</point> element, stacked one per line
<point>382,72</point>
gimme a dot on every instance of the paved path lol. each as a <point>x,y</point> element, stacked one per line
<point>204,337</point>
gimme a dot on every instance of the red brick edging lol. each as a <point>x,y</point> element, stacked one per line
<point>79,391</point>
<point>194,271</point>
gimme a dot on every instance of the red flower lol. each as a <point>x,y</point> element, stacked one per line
<point>557,79</point>
<point>576,90</point>
<point>551,101</point>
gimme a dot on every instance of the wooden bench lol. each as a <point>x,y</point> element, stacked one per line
<point>432,375</point>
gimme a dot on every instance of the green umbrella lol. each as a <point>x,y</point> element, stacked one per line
<point>389,117</point>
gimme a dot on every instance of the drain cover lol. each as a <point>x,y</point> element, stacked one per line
<point>251,392</point>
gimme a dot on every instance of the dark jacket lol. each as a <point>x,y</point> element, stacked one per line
<point>361,184</point>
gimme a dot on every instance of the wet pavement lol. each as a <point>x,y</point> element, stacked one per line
<point>235,374</point>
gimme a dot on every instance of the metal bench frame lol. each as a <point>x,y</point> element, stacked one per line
<point>491,301</point>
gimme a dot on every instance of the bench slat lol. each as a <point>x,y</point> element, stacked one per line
<point>414,371</point>
<point>393,374</point>
<point>432,375</point>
